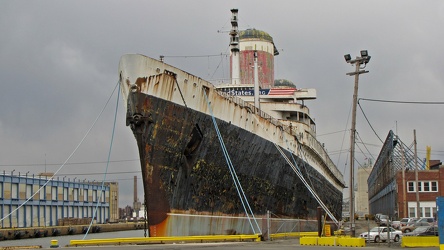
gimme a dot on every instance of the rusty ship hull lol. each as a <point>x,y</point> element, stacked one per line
<point>187,184</point>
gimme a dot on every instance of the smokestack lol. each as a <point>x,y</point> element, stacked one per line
<point>135,189</point>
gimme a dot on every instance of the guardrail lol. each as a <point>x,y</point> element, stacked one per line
<point>420,241</point>
<point>141,240</point>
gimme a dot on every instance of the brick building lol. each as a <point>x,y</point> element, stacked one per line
<point>430,185</point>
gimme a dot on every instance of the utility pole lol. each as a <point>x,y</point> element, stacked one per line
<point>418,211</point>
<point>404,191</point>
<point>362,60</point>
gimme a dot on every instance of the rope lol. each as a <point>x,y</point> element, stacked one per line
<point>301,177</point>
<point>180,91</point>
<point>64,163</point>
<point>107,163</point>
<point>296,169</point>
<point>302,156</point>
<point>236,181</point>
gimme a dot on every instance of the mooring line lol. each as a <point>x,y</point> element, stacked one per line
<point>64,163</point>
<point>233,173</point>
<point>107,163</point>
<point>296,169</point>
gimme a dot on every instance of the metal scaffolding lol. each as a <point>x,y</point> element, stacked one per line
<point>394,156</point>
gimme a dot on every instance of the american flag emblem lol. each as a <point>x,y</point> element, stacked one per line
<point>283,91</point>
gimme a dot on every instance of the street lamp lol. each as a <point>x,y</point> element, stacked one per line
<point>360,63</point>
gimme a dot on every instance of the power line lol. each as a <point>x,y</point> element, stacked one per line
<point>359,136</point>
<point>100,173</point>
<point>335,132</point>
<point>214,55</point>
<point>57,164</point>
<point>403,102</point>
<point>369,122</point>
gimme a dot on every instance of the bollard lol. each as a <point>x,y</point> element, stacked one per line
<point>54,244</point>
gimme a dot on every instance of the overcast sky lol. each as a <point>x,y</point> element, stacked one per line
<point>59,59</point>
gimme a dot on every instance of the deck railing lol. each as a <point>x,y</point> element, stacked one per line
<point>313,143</point>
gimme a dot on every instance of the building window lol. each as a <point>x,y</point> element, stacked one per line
<point>412,212</point>
<point>76,194</point>
<point>94,196</point>
<point>423,186</point>
<point>102,199</point>
<point>28,191</point>
<point>427,212</point>
<point>85,195</point>
<point>65,193</point>
<point>42,193</point>
<point>14,191</point>
<point>1,191</point>
<point>54,193</point>
<point>434,186</point>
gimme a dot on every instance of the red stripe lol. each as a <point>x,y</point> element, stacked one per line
<point>281,91</point>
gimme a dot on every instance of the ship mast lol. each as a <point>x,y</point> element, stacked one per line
<point>234,44</point>
<point>256,84</point>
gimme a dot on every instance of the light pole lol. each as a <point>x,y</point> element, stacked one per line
<point>362,60</point>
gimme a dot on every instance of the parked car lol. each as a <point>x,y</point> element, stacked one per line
<point>377,217</point>
<point>396,224</point>
<point>384,220</point>
<point>429,220</point>
<point>378,234</point>
<point>405,221</point>
<point>424,231</point>
<point>412,226</point>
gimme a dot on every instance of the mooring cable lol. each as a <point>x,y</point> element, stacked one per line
<point>107,163</point>
<point>64,163</point>
<point>301,177</point>
<point>233,173</point>
<point>299,174</point>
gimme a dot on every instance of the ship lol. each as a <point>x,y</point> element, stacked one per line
<point>225,158</point>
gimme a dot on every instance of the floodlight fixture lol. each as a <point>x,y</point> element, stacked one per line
<point>364,53</point>
<point>367,59</point>
<point>347,57</point>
